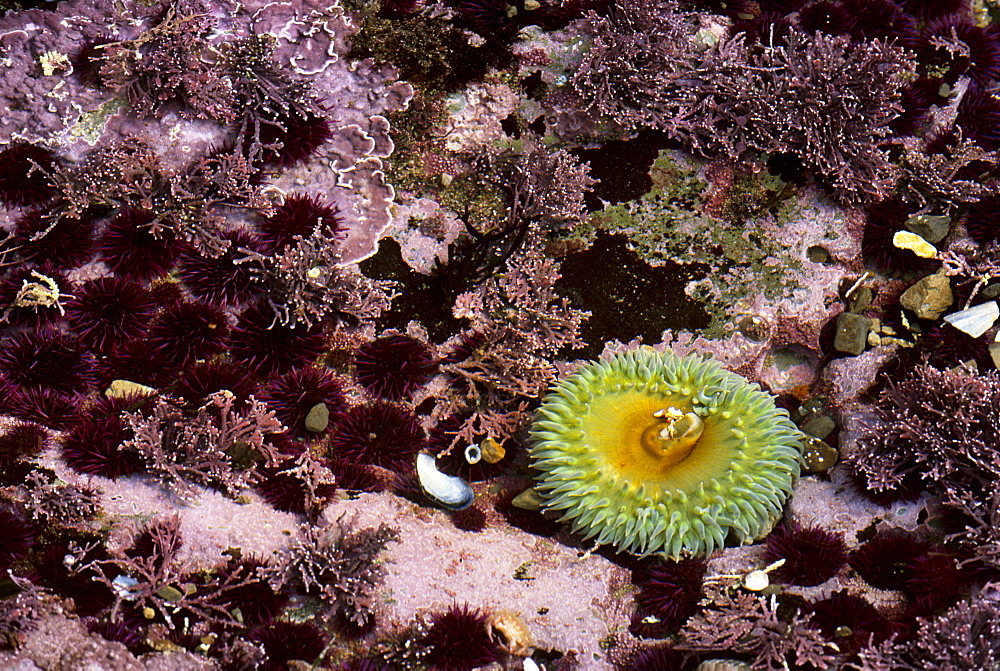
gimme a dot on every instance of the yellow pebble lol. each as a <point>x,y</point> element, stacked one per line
<point>916,244</point>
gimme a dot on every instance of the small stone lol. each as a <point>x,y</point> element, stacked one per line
<point>929,297</point>
<point>995,353</point>
<point>991,291</point>
<point>170,593</point>
<point>818,254</point>
<point>820,426</point>
<point>318,418</point>
<point>493,451</point>
<point>932,228</point>
<point>975,321</point>
<point>818,456</point>
<point>852,333</point>
<point>861,300</point>
<point>914,243</point>
<point>529,499</point>
<point>723,665</point>
<point>123,388</point>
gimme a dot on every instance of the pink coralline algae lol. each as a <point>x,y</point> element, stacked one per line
<point>249,277</point>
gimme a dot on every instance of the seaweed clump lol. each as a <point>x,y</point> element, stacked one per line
<point>941,428</point>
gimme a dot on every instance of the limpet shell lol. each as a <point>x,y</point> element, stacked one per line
<point>450,491</point>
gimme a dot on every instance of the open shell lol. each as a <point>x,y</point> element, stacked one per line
<point>450,491</point>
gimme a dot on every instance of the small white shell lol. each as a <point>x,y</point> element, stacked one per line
<point>976,320</point>
<point>473,453</point>
<point>755,581</point>
<point>450,491</point>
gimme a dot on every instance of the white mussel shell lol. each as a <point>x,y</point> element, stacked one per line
<point>976,320</point>
<point>450,491</point>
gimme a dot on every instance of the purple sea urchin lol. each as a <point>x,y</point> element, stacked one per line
<point>458,641</point>
<point>18,537</point>
<point>300,135</point>
<point>885,560</point>
<point>294,394</point>
<point>109,310</point>
<point>20,440</point>
<point>812,555</point>
<point>222,279</point>
<point>652,452</point>
<point>671,591</point>
<point>983,219</point>
<point>48,407</point>
<point>257,603</point>
<point>45,358</point>
<point>394,366</point>
<point>190,330</point>
<point>377,433</point>
<point>130,249</point>
<point>298,216</point>
<point>198,382</point>
<point>66,244</point>
<point>287,641</point>
<point>850,619</point>
<point>267,347</point>
<point>93,448</point>
<point>24,174</point>
<point>980,58</point>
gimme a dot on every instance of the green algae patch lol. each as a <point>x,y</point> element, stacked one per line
<point>90,125</point>
<point>741,259</point>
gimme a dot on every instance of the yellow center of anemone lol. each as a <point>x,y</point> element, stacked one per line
<point>672,435</point>
<point>657,440</point>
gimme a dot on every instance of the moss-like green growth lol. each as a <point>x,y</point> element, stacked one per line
<point>669,224</point>
<point>90,125</point>
<point>413,131</point>
<point>429,52</point>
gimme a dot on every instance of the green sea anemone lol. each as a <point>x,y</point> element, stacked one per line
<point>653,452</point>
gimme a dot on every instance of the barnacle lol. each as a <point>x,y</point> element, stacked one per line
<point>653,452</point>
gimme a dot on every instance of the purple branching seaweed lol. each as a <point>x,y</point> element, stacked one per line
<point>517,324</point>
<point>742,622</point>
<point>19,613</point>
<point>308,284</point>
<point>823,98</point>
<point>339,566</point>
<point>47,499</point>
<point>543,193</point>
<point>942,426</point>
<point>164,67</point>
<point>149,577</point>
<point>217,446</point>
<point>930,180</point>
<point>965,637</point>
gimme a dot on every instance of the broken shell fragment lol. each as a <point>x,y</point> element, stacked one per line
<point>450,491</point>
<point>473,453</point>
<point>976,320</point>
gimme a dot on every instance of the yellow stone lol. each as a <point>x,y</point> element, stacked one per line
<point>914,243</point>
<point>492,450</point>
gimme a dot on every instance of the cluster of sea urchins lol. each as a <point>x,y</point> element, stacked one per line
<point>653,452</point>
